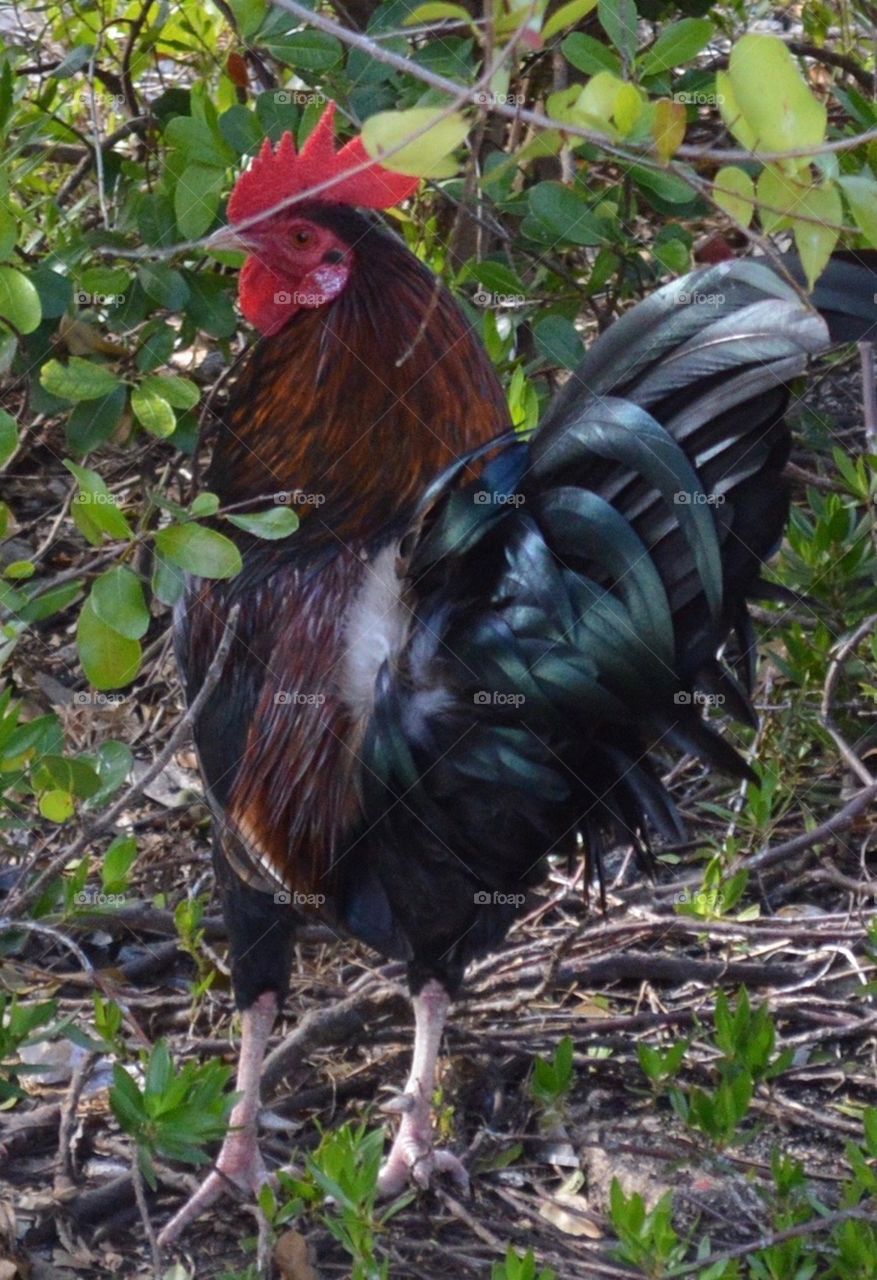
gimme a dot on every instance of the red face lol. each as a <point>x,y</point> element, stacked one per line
<point>293,263</point>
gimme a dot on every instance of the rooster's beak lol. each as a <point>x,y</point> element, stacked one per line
<point>227,238</point>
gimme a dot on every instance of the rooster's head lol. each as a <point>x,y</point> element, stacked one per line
<point>298,259</point>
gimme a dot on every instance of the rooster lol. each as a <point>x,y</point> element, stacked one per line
<point>466,656</point>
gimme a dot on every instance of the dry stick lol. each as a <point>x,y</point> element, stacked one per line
<point>809,1228</point>
<point>835,667</point>
<point>140,1196</point>
<point>869,394</point>
<point>21,901</point>
<point>65,1170</point>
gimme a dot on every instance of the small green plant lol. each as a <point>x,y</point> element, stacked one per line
<point>514,1267</point>
<point>746,1039</point>
<point>661,1066</point>
<point>552,1077</point>
<point>175,1113</point>
<point>18,1025</point>
<point>188,918</point>
<point>646,1237</point>
<point>340,1183</point>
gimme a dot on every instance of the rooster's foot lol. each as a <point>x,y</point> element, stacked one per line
<point>239,1166</point>
<point>413,1158</point>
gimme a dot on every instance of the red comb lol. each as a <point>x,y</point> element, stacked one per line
<point>277,174</point>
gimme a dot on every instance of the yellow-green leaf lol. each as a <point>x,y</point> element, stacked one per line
<point>773,95</point>
<point>108,659</point>
<point>628,107</point>
<point>816,238</point>
<point>731,113</point>
<point>668,127</point>
<point>778,194</point>
<point>860,190</point>
<point>435,10</point>
<point>734,191</point>
<point>78,379</point>
<point>19,300</point>
<point>566,15</point>
<point>426,156</point>
<point>153,411</point>
<point>56,805</point>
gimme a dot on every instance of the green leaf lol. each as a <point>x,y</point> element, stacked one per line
<point>56,805</point>
<point>435,10</point>
<point>153,411</point>
<point>678,43</point>
<point>618,18</point>
<point>179,392</point>
<point>589,55</point>
<point>568,14</point>
<point>109,660</point>
<point>164,285</point>
<point>773,96</point>
<point>96,505</point>
<point>816,239</point>
<point>117,599</point>
<point>276,522</point>
<point>19,300</point>
<point>206,504</point>
<point>307,50</point>
<point>426,156</point>
<point>564,215</point>
<point>8,232</point>
<point>734,192</point>
<point>777,196</point>
<point>118,861</point>
<point>198,550</point>
<point>559,341</point>
<point>92,422</point>
<point>860,190</point>
<point>78,380</point>
<point>196,199</point>
<point>8,437</point>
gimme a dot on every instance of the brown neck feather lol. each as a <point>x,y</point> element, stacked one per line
<point>356,406</point>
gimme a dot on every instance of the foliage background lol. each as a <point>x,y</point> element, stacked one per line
<point>600,156</point>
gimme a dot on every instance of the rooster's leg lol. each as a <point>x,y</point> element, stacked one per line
<point>239,1162</point>
<point>413,1156</point>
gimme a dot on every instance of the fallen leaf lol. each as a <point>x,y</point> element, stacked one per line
<point>291,1256</point>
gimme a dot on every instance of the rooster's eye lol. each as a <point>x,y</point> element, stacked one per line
<point>302,238</point>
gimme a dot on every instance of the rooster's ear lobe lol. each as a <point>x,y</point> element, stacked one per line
<point>349,176</point>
